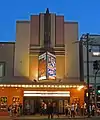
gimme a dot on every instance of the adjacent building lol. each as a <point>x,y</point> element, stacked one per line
<point>94,54</point>
<point>19,63</point>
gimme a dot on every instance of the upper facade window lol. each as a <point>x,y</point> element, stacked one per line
<point>96,50</point>
<point>2,69</point>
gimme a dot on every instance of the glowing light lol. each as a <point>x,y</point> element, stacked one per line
<point>37,86</point>
<point>15,85</point>
<point>48,85</point>
<point>96,53</point>
<point>42,78</point>
<point>26,85</point>
<point>80,87</point>
<point>67,86</point>
<point>55,86</point>
<point>52,85</point>
<point>23,85</point>
<point>41,85</point>
<point>48,95</point>
<point>63,86</point>
<point>34,85</point>
<point>5,85</point>
<point>45,85</point>
<point>74,86</point>
<point>59,86</point>
<point>46,92</point>
<point>86,94</point>
<point>19,85</point>
<point>30,85</point>
<point>12,85</point>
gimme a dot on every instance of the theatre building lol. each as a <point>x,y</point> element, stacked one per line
<point>41,65</point>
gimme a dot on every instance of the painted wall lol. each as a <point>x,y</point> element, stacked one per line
<point>71,51</point>
<point>59,31</point>
<point>10,93</point>
<point>21,60</point>
<point>7,56</point>
<point>60,66</point>
<point>34,30</point>
<point>77,94</point>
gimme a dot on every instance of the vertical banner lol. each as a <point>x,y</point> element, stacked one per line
<point>51,66</point>
<point>42,67</point>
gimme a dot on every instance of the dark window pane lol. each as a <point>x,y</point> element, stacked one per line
<point>2,69</point>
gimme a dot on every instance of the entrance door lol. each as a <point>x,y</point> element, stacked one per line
<point>35,103</point>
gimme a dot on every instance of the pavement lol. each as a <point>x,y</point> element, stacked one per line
<point>38,117</point>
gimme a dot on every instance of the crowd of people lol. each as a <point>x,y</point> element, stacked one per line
<point>15,110</point>
<point>69,110</point>
<point>51,109</point>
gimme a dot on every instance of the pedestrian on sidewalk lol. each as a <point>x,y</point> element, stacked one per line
<point>50,110</point>
<point>72,110</point>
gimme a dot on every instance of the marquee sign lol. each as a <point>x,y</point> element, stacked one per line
<point>47,93</point>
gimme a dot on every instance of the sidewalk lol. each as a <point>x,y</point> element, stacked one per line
<point>38,117</point>
<point>62,117</point>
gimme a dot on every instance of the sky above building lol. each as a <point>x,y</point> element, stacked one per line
<point>85,12</point>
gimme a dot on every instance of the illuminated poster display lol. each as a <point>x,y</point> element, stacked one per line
<point>47,66</point>
<point>42,67</point>
<point>3,104</point>
<point>51,66</point>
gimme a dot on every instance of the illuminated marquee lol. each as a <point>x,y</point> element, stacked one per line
<point>47,93</point>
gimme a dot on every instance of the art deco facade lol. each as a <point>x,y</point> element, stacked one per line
<point>30,38</point>
<point>19,63</point>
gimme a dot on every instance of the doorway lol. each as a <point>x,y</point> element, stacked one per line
<point>35,103</point>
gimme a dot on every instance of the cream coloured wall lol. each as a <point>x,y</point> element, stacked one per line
<point>33,67</point>
<point>71,51</point>
<point>21,60</point>
<point>60,66</point>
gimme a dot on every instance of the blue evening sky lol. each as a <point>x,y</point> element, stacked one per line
<point>86,12</point>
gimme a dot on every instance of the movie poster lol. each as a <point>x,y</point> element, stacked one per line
<point>42,67</point>
<point>51,66</point>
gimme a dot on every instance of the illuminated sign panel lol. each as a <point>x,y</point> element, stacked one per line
<point>47,93</point>
<point>42,67</point>
<point>51,66</point>
<point>47,66</point>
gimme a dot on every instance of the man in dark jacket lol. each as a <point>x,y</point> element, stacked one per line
<point>50,110</point>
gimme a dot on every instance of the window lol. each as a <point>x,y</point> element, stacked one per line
<point>2,69</point>
<point>96,50</point>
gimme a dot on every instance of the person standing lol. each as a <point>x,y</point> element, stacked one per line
<point>45,108</point>
<point>93,109</point>
<point>66,110</point>
<point>50,110</point>
<point>55,110</point>
<point>72,110</point>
